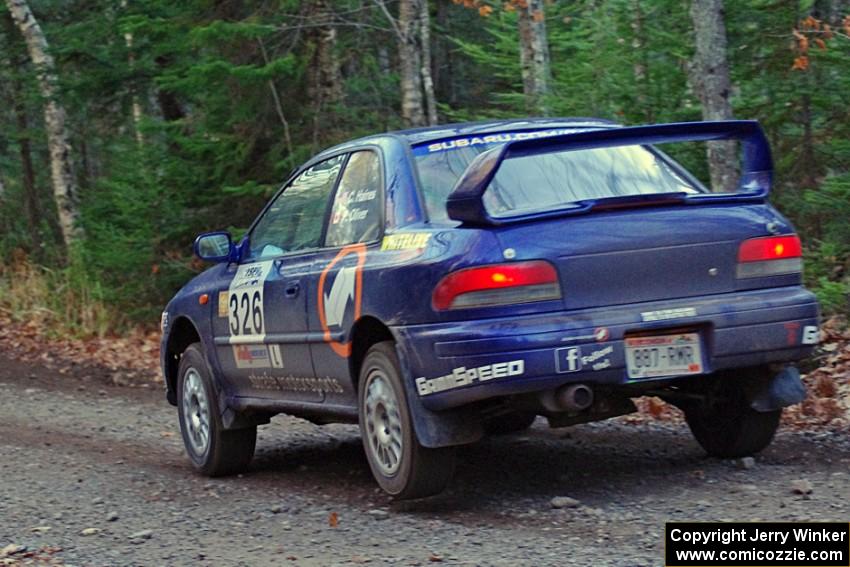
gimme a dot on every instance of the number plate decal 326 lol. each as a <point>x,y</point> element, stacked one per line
<point>246,318</point>
<point>663,355</point>
<point>245,302</point>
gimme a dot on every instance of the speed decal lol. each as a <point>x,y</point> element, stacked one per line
<point>339,289</point>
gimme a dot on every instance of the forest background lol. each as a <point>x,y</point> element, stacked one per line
<point>127,127</point>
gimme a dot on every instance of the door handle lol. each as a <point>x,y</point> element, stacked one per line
<point>292,289</point>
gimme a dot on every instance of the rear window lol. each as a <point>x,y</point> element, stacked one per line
<point>542,182</point>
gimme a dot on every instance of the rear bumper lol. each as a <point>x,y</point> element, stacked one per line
<point>465,361</point>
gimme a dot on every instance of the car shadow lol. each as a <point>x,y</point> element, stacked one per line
<point>594,463</point>
<point>539,463</point>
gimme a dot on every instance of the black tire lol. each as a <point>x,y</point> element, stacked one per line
<point>512,422</point>
<point>726,426</point>
<point>411,470</point>
<point>225,451</point>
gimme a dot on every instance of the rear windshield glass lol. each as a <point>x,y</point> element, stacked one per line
<point>545,181</point>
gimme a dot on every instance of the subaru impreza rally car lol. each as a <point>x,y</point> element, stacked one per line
<point>439,284</point>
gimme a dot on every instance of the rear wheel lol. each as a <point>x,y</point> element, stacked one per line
<point>400,464</point>
<point>726,426</point>
<point>213,450</point>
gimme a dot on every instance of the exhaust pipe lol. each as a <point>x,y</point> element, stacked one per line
<point>576,397</point>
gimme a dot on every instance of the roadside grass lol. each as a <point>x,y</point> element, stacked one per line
<point>58,302</point>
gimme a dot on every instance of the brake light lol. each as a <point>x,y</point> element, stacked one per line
<point>500,284</point>
<point>770,256</point>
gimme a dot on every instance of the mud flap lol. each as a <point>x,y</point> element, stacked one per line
<point>783,390</point>
<point>437,429</point>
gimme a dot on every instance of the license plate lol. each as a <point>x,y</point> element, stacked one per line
<point>663,355</point>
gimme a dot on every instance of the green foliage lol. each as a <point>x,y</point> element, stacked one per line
<point>187,116</point>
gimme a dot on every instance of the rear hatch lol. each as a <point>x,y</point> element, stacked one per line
<point>635,255</point>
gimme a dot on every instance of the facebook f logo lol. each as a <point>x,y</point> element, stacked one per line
<point>568,359</point>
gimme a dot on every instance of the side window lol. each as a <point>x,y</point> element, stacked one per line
<point>294,221</point>
<point>356,214</point>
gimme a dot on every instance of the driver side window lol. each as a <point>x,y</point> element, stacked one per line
<point>294,220</point>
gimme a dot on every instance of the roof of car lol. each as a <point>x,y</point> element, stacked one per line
<point>439,132</point>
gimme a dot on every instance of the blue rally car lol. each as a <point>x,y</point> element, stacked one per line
<point>439,284</point>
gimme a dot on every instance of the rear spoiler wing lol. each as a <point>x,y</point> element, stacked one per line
<point>465,203</point>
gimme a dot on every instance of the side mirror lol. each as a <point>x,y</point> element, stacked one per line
<point>214,246</point>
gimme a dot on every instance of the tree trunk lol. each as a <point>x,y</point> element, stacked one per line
<point>169,105</point>
<point>61,167</point>
<point>534,56</point>
<point>134,96</point>
<point>709,77</point>
<point>427,79</point>
<point>32,208</point>
<point>410,63</point>
<point>324,79</point>
<point>31,204</point>
<point>640,67</point>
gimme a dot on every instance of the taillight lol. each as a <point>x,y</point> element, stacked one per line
<point>770,256</point>
<point>500,284</point>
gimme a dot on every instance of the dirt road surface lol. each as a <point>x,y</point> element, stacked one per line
<point>93,474</point>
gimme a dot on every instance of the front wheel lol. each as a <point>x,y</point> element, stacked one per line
<point>400,464</point>
<point>727,427</point>
<point>213,450</point>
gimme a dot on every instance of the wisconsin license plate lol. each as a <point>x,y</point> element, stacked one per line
<point>663,355</point>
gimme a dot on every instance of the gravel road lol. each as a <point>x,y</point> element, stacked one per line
<point>94,474</point>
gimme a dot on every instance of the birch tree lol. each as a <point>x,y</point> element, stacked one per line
<point>413,32</point>
<point>410,62</point>
<point>709,78</point>
<point>534,55</point>
<point>324,78</point>
<point>61,167</point>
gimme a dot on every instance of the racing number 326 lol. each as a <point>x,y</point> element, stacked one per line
<point>246,313</point>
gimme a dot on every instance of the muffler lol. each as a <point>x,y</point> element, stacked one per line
<point>574,397</point>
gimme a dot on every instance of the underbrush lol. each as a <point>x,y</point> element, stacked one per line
<point>57,302</point>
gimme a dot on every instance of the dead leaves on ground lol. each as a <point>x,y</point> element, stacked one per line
<point>131,359</point>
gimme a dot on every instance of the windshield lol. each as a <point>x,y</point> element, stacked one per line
<point>545,181</point>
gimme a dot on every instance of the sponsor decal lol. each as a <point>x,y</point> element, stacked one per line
<point>340,295</point>
<point>600,335</point>
<point>811,335</point>
<point>568,359</point>
<point>571,359</point>
<point>665,314</point>
<point>490,139</point>
<point>251,356</point>
<point>593,359</point>
<point>222,303</point>
<point>463,376</point>
<point>344,289</point>
<point>163,321</point>
<point>406,241</point>
<point>290,383</point>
